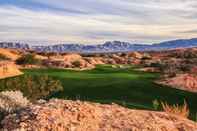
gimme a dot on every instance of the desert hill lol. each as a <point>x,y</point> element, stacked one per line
<point>8,69</point>
<point>83,116</point>
<point>9,53</point>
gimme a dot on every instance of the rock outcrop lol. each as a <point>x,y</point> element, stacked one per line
<point>186,82</point>
<point>136,55</point>
<point>73,61</point>
<point>61,115</point>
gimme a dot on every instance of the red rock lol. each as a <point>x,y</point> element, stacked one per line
<point>183,81</point>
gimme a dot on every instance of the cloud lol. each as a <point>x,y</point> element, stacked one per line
<point>188,31</point>
<point>96,21</point>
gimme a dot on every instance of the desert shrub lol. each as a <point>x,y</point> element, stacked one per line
<point>33,87</point>
<point>27,59</point>
<point>160,66</point>
<point>188,54</point>
<point>3,57</point>
<point>146,57</point>
<point>196,117</point>
<point>11,101</point>
<point>76,63</point>
<point>182,110</point>
<point>185,67</point>
<point>156,104</point>
<point>156,64</point>
<point>172,74</point>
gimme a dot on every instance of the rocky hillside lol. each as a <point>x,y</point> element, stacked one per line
<point>64,115</point>
<point>186,82</point>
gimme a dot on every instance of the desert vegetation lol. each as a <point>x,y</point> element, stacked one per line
<point>185,54</point>
<point>76,63</point>
<point>179,110</point>
<point>11,102</point>
<point>33,87</point>
<point>3,57</point>
<point>28,59</point>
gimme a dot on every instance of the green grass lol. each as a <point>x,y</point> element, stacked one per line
<point>127,87</point>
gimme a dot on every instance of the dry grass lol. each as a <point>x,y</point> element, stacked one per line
<point>180,110</point>
<point>11,102</point>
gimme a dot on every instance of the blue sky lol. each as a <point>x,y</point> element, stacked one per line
<point>97,21</point>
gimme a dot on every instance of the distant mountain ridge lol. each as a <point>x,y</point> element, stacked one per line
<point>110,46</point>
<point>14,45</point>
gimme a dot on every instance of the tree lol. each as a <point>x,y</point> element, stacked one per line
<point>27,59</point>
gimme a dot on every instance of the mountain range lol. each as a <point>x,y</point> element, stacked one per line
<point>110,46</point>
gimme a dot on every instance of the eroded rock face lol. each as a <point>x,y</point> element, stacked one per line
<point>194,70</point>
<point>186,82</point>
<point>63,115</point>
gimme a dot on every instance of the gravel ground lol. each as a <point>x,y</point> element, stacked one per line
<point>64,115</point>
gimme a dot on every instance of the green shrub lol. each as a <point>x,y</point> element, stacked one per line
<point>76,63</point>
<point>33,87</point>
<point>3,57</point>
<point>156,104</point>
<point>27,59</point>
<point>196,117</point>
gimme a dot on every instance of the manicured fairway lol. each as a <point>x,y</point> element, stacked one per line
<point>123,86</point>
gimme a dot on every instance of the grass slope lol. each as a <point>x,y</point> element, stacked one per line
<point>123,86</point>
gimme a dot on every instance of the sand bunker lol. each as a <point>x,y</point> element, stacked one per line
<point>8,69</point>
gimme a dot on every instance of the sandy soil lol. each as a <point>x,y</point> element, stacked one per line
<point>12,54</point>
<point>8,69</point>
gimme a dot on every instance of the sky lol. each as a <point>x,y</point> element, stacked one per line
<point>97,21</point>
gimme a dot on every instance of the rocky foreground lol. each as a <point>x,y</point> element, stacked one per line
<point>61,115</point>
